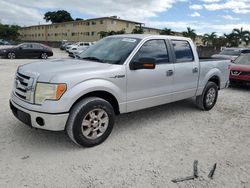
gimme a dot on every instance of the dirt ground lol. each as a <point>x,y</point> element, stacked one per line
<point>147,148</point>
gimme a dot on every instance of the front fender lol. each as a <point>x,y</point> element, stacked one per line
<point>83,88</point>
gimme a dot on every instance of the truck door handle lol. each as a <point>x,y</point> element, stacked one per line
<point>195,70</point>
<point>170,73</point>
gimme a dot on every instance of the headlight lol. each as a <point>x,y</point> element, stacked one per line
<point>46,91</point>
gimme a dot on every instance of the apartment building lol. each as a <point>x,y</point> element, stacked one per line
<point>82,30</point>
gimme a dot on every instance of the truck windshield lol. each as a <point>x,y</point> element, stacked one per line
<point>243,60</point>
<point>113,50</point>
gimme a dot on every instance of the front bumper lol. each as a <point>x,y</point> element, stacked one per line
<point>46,121</point>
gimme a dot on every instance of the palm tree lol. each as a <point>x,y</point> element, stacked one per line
<point>231,39</point>
<point>190,33</point>
<point>209,39</point>
<point>166,31</point>
<point>241,35</point>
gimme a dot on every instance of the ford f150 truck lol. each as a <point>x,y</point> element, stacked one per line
<point>118,74</point>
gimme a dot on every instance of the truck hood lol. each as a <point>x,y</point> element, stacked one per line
<point>242,68</point>
<point>219,56</point>
<point>45,71</point>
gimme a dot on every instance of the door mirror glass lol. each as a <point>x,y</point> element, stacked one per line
<point>144,63</point>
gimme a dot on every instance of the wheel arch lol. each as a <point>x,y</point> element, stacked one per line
<point>103,95</point>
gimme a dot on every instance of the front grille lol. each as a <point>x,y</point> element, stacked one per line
<point>245,73</point>
<point>24,87</point>
<point>239,73</point>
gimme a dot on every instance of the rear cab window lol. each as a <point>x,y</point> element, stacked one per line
<point>182,51</point>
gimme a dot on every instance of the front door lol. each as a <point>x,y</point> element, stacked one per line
<point>150,87</point>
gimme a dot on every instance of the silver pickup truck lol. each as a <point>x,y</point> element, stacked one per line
<point>118,74</point>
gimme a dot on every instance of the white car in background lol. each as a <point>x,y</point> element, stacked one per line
<point>78,46</point>
<point>74,54</point>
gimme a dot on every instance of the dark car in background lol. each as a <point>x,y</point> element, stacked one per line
<point>27,50</point>
<point>240,70</point>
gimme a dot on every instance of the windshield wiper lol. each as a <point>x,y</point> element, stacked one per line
<point>93,59</point>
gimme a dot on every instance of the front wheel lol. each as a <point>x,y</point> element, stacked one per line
<point>90,122</point>
<point>208,99</point>
<point>11,55</point>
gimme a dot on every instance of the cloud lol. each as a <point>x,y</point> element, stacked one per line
<point>196,7</point>
<point>211,1</point>
<point>200,27</point>
<point>195,14</point>
<point>127,9</point>
<point>228,17</point>
<point>237,6</point>
<point>16,14</point>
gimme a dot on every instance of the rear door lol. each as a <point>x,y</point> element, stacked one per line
<point>186,70</point>
<point>150,87</point>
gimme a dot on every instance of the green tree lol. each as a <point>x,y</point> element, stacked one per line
<point>190,33</point>
<point>58,16</point>
<point>9,32</point>
<point>166,31</point>
<point>105,33</point>
<point>138,30</point>
<point>78,19</point>
<point>209,39</point>
<point>241,35</point>
<point>231,40</point>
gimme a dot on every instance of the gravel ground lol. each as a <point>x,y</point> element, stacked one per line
<point>147,148</point>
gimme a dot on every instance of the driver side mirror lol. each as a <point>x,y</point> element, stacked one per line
<point>144,63</point>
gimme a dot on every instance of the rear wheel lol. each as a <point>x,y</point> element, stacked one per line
<point>208,99</point>
<point>11,55</point>
<point>44,56</point>
<point>90,122</point>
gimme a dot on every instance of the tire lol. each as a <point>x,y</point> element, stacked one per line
<point>11,55</point>
<point>93,130</point>
<point>208,99</point>
<point>44,55</point>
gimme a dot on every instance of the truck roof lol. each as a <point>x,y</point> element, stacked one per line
<point>143,36</point>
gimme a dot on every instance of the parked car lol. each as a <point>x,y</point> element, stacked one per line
<point>240,70</point>
<point>27,50</point>
<point>78,46</point>
<point>74,54</point>
<point>119,74</point>
<point>65,44</point>
<point>231,53</point>
<point>4,42</point>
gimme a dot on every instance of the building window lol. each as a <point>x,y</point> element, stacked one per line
<point>39,34</point>
<point>92,33</point>
<point>48,34</point>
<point>87,23</point>
<point>93,23</point>
<point>113,22</point>
<point>87,33</point>
<point>101,22</point>
<point>128,25</point>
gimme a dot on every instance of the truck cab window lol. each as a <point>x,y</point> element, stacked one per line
<point>183,51</point>
<point>153,49</point>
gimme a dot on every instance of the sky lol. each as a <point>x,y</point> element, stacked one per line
<point>205,16</point>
